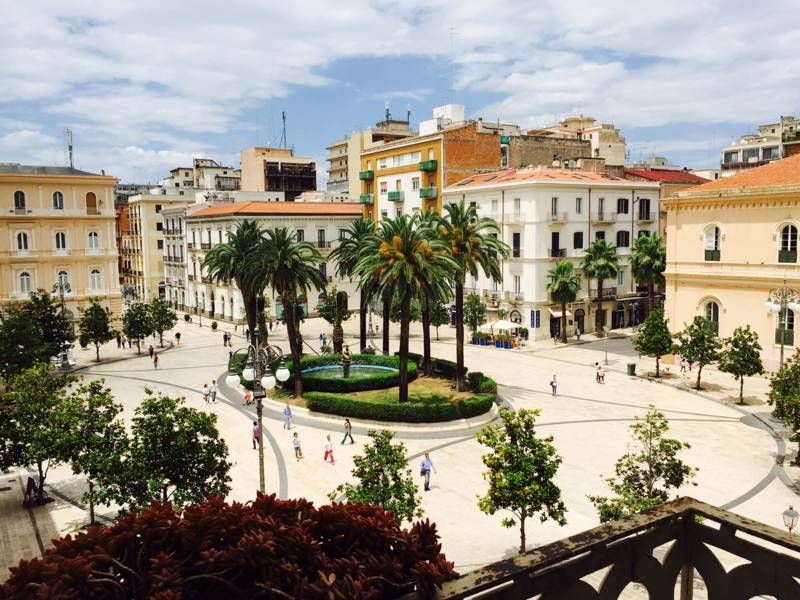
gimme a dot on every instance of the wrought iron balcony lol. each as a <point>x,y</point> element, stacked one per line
<point>604,218</point>
<point>205,245</point>
<point>428,165</point>
<point>366,198</point>
<point>557,218</point>
<point>427,192</point>
<point>366,175</point>
<point>712,255</point>
<point>608,292</point>
<point>556,253</point>
<point>645,217</point>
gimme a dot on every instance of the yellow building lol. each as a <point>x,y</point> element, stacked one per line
<point>730,243</point>
<point>57,227</point>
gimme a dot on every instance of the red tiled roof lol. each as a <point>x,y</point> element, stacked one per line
<point>666,175</point>
<point>784,172</point>
<point>281,209</point>
<point>536,174</point>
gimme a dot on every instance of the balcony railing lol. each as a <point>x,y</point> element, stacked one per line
<point>787,256</point>
<point>604,218</point>
<point>322,244</point>
<point>556,253</point>
<point>190,277</point>
<point>514,297</point>
<point>366,175</point>
<point>557,218</point>
<point>646,217</point>
<point>786,334</point>
<point>205,279</point>
<point>517,252</point>
<point>712,255</point>
<point>395,196</point>
<point>190,245</point>
<point>366,198</point>
<point>515,218</point>
<point>427,192</point>
<point>608,292</point>
<point>428,165</point>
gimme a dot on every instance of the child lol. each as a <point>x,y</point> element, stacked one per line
<point>298,453</point>
<point>328,449</point>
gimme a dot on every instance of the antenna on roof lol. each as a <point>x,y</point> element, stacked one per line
<point>386,110</point>
<point>283,143</point>
<point>408,113</point>
<point>68,135</point>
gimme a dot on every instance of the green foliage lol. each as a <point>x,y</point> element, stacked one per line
<point>439,366</point>
<point>600,262</point>
<point>563,288</point>
<point>186,318</point>
<point>784,393</point>
<point>645,474</point>
<point>475,379</point>
<point>163,318</point>
<point>648,262</point>
<point>415,310</point>
<point>741,356</point>
<point>520,471</point>
<point>377,380</point>
<point>474,311</point>
<point>137,323</point>
<point>699,344</point>
<point>214,325</point>
<point>384,478</point>
<point>55,327</point>
<point>440,315</point>
<point>654,338</point>
<point>95,326</point>
<point>334,309</point>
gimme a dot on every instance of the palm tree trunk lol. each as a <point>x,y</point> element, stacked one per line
<point>291,331</point>
<point>362,325</point>
<point>338,338</point>
<point>600,314</point>
<point>405,318</point>
<point>387,307</point>
<point>250,310</point>
<point>563,322</point>
<point>459,335</point>
<point>426,337</point>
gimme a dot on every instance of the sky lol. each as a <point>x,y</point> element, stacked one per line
<point>147,85</point>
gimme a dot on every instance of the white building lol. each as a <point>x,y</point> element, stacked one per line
<point>773,141</point>
<point>205,174</point>
<point>605,139</point>
<point>546,215</point>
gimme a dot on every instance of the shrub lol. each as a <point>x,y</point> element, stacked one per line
<point>419,409</point>
<point>268,547</point>
<point>187,318</point>
<point>477,405</point>
<point>475,378</point>
<point>378,380</point>
<point>488,386</point>
<point>369,350</point>
<point>214,325</point>
<point>445,368</point>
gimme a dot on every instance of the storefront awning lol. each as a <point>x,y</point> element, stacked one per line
<point>557,313</point>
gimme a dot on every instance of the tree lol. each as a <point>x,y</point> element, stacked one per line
<point>163,318</point>
<point>137,323</point>
<point>384,478</point>
<point>648,262</point>
<point>475,245</point>
<point>784,393</point>
<point>699,344</point>
<point>646,473</point>
<point>600,263</point>
<point>293,269</point>
<point>563,288</point>
<point>440,315</point>
<point>474,312</point>
<point>21,345</point>
<point>334,310</point>
<point>654,338</point>
<point>521,468</point>
<point>95,326</point>
<point>741,356</point>
<point>33,421</point>
<point>232,261</point>
<point>96,440</point>
<point>414,314</point>
<point>175,454</point>
<point>56,328</point>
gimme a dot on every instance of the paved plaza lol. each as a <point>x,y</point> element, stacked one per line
<point>739,450</point>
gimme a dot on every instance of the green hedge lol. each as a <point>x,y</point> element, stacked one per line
<point>477,405</point>
<point>376,381</point>
<point>445,368</point>
<point>417,410</point>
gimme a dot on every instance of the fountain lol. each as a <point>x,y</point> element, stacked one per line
<point>346,362</point>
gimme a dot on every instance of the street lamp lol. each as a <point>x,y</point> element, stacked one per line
<point>199,313</point>
<point>62,287</point>
<point>790,516</point>
<point>605,342</point>
<point>780,301</point>
<point>257,370</point>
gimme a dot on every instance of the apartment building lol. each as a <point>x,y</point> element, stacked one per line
<point>604,139</point>
<point>57,234</point>
<point>277,170</point>
<point>204,174</point>
<point>772,141</point>
<point>547,215</point>
<point>730,242</point>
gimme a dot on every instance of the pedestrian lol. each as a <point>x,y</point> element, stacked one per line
<point>287,417</point>
<point>683,365</point>
<point>224,340</point>
<point>152,351</point>
<point>155,361</point>
<point>597,372</point>
<point>230,356</point>
<point>247,334</point>
<point>321,339</point>
<point>119,341</point>
<point>248,397</point>
<point>348,431</point>
<point>554,385</point>
<point>178,337</point>
<point>214,391</point>
<point>124,339</point>
<point>256,435</point>
<point>578,333</point>
<point>328,449</point>
<point>206,392</point>
<point>270,324</point>
<point>298,452</point>
<point>425,471</point>
<point>602,375</point>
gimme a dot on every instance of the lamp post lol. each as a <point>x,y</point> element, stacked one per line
<point>780,301</point>
<point>605,342</point>
<point>790,517</point>
<point>199,313</point>
<point>62,287</point>
<point>257,370</point>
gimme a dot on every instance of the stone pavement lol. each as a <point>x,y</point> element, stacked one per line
<point>734,447</point>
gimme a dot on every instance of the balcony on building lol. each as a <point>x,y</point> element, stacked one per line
<point>366,198</point>
<point>205,279</point>
<point>604,218</point>
<point>514,297</point>
<point>367,175</point>
<point>558,218</point>
<point>396,196</point>
<point>205,245</point>
<point>190,277</point>
<point>516,252</point>
<point>428,165</point>
<point>323,244</point>
<point>608,292</point>
<point>190,245</point>
<point>556,253</point>
<point>427,193</point>
<point>516,217</point>
<point>645,217</point>
<point>712,255</point>
<point>787,256</point>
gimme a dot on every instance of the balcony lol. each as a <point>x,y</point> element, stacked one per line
<point>205,245</point>
<point>785,335</point>
<point>428,165</point>
<point>395,196</point>
<point>515,218</point>
<point>366,198</point>
<point>514,297</point>
<point>787,256</point>
<point>712,255</point>
<point>646,217</point>
<point>427,192</point>
<point>608,293</point>
<point>517,252</point>
<point>205,279</point>
<point>556,253</point>
<point>322,245</point>
<point>367,175</point>
<point>190,245</point>
<point>604,218</point>
<point>557,218</point>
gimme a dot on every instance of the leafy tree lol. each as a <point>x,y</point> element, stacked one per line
<point>414,314</point>
<point>474,312</point>
<point>600,262</point>
<point>56,328</point>
<point>384,478</point>
<point>654,338</point>
<point>741,356</point>
<point>648,262</point>
<point>475,245</point>
<point>163,318</point>
<point>175,454</point>
<point>440,315</point>
<point>521,468</point>
<point>33,421</point>
<point>563,288</point>
<point>96,439</point>
<point>699,344</point>
<point>334,311</point>
<point>646,473</point>
<point>137,323</point>
<point>784,393</point>
<point>21,345</point>
<point>95,326</point>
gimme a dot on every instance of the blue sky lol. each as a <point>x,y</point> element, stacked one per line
<point>146,85</point>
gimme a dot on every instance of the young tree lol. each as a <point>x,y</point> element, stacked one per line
<point>21,346</point>
<point>699,344</point>
<point>384,478</point>
<point>784,393</point>
<point>474,312</point>
<point>521,468</point>
<point>162,317</point>
<point>654,338</point>
<point>741,356</point>
<point>334,311</point>
<point>440,315</point>
<point>33,421</point>
<point>96,441</point>
<point>95,326</point>
<point>563,288</point>
<point>137,323</point>
<point>646,473</point>
<point>57,333</point>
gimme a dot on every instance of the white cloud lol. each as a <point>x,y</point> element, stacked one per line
<point>417,94</point>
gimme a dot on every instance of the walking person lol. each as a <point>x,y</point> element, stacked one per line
<point>348,432</point>
<point>298,452</point>
<point>152,351</point>
<point>256,435</point>
<point>602,375</point>
<point>214,391</point>
<point>554,385</point>
<point>425,470</point>
<point>155,361</point>
<point>178,337</point>
<point>206,392</point>
<point>248,397</point>
<point>683,365</point>
<point>119,341</point>
<point>328,449</point>
<point>597,372</point>
<point>287,417</point>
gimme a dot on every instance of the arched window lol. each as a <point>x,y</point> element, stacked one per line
<point>712,314</point>
<point>712,237</point>
<point>58,200</point>
<point>22,241</point>
<point>61,241</point>
<point>785,327</point>
<point>94,241</point>
<point>25,282</point>
<point>63,279</point>
<point>19,200</point>
<point>91,203</point>
<point>788,251</point>
<point>94,279</point>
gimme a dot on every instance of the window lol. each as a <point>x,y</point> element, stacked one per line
<point>622,206</point>
<point>323,268</point>
<point>601,206</point>
<point>22,241</point>
<point>321,238</point>
<point>94,279</point>
<point>93,241</point>
<point>517,284</point>
<point>712,315</point>
<point>517,206</point>
<point>58,200</point>
<point>494,206</point>
<point>398,211</point>
<point>91,203</point>
<point>503,156</point>
<point>384,214</point>
<point>25,282</point>
<point>644,210</point>
<point>623,239</point>
<point>193,240</point>
<point>553,206</point>
<point>770,153</point>
<point>398,185</point>
<point>19,200</point>
<point>516,245</point>
<point>430,153</point>
<point>160,244</point>
<point>788,251</point>
<point>159,226</point>
<point>642,233</point>
<point>382,163</point>
<point>620,277</point>
<point>712,236</point>
<point>577,240</point>
<point>415,183</point>
<point>301,235</point>
<point>750,155</point>
<point>599,235</point>
<point>578,206</point>
<point>342,234</point>
<point>220,235</point>
<point>63,278</point>
<point>536,318</point>
<point>61,241</point>
<point>384,187</point>
<point>158,208</point>
<point>785,328</point>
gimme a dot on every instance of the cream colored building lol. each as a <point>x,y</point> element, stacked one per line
<point>277,170</point>
<point>57,226</point>
<point>729,243</point>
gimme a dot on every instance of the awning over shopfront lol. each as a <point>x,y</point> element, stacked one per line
<point>557,313</point>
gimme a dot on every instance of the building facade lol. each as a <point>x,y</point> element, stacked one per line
<point>57,233</point>
<point>772,142</point>
<point>277,170</point>
<point>731,241</point>
<point>549,215</point>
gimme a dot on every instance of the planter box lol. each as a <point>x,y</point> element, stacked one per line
<point>507,345</point>
<point>483,341</point>
<point>475,340</point>
<point>498,344</point>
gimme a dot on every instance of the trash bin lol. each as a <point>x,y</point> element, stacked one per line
<point>632,369</point>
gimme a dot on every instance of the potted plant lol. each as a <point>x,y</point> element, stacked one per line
<point>187,318</point>
<point>507,342</point>
<point>498,341</point>
<point>214,325</point>
<point>523,332</point>
<point>475,337</point>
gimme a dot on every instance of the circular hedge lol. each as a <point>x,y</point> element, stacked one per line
<point>380,379</point>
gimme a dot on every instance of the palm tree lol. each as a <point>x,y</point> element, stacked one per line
<point>232,260</point>
<point>427,302</point>
<point>404,256</point>
<point>563,288</point>
<point>346,255</point>
<point>474,245</point>
<point>600,262</point>
<point>293,269</point>
<point>648,261</point>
